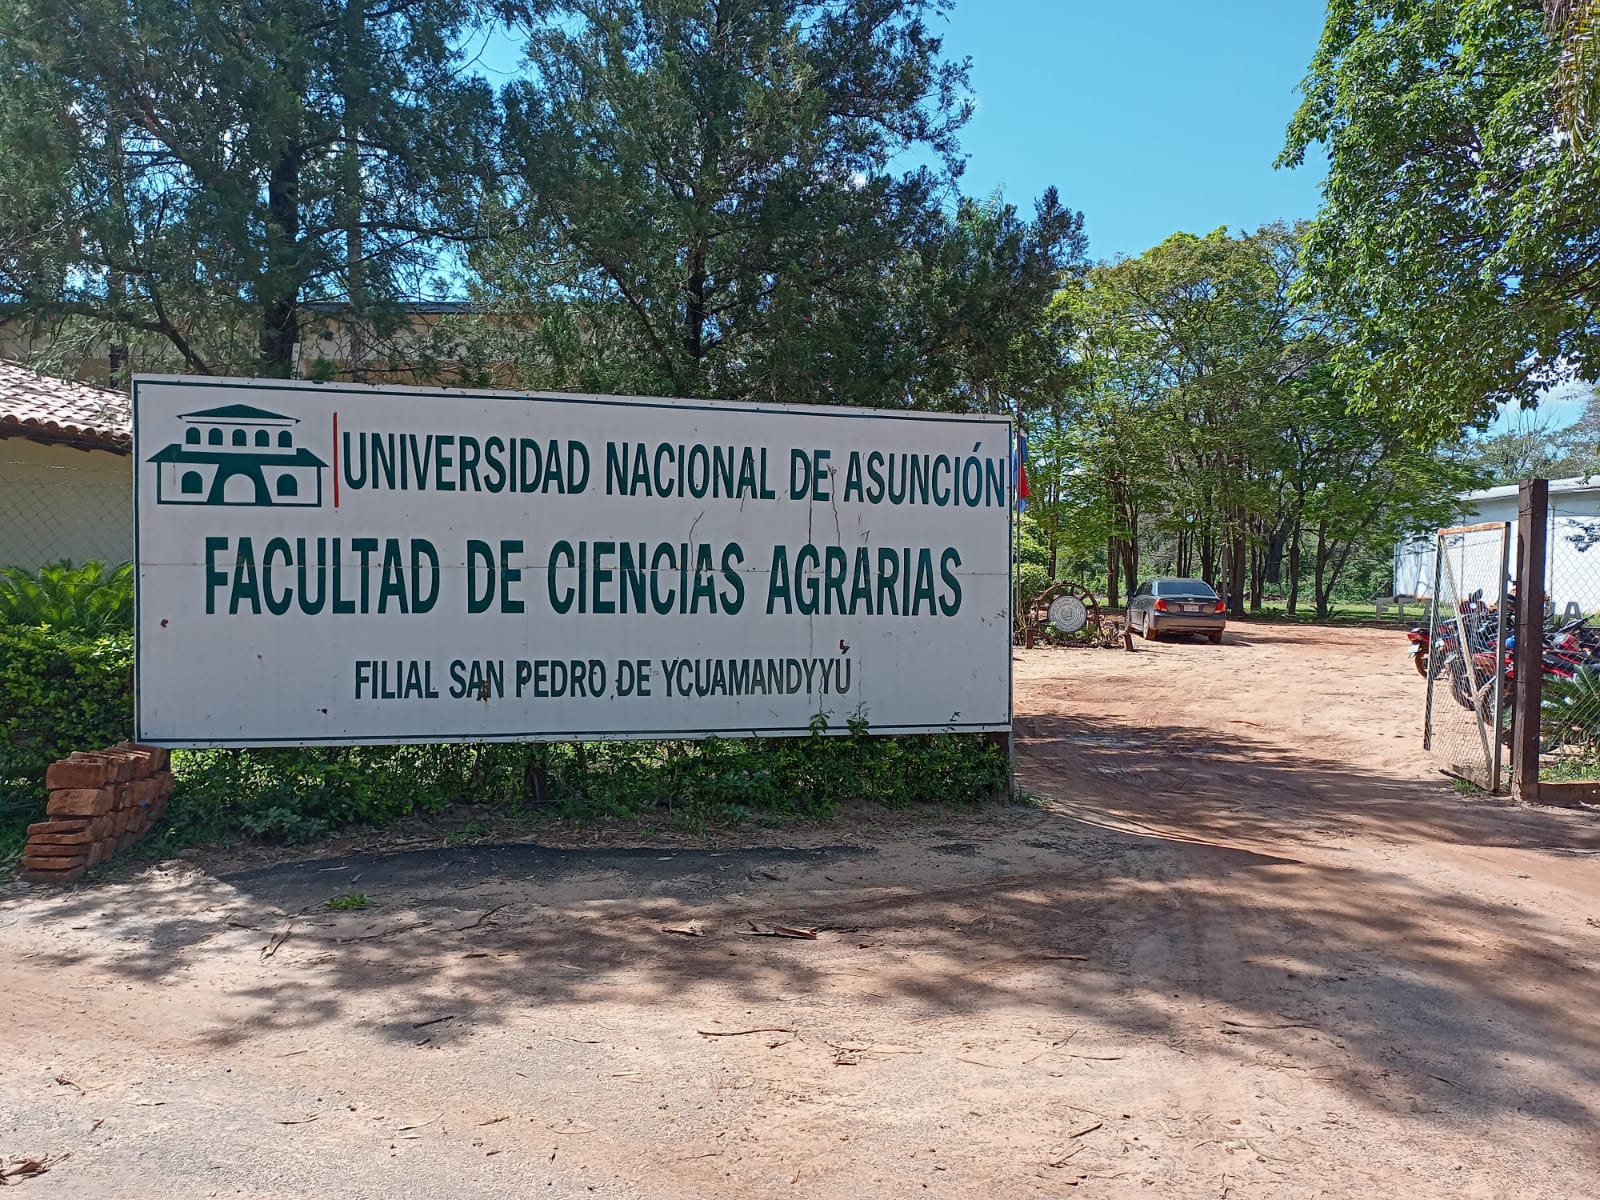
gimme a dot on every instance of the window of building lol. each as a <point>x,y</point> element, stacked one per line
<point>192,436</point>
<point>239,438</point>
<point>263,438</point>
<point>215,437</point>
<point>192,484</point>
<point>288,486</point>
<point>285,440</point>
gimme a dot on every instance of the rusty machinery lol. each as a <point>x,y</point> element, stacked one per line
<point>1066,614</point>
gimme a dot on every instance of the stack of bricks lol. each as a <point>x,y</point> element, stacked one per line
<point>100,803</point>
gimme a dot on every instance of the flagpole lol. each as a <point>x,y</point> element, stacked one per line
<point>1016,555</point>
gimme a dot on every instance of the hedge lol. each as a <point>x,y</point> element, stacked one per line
<point>60,691</point>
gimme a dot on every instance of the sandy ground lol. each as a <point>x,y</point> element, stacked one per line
<point>1245,944</point>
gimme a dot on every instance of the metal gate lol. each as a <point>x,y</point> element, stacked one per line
<point>1468,624</point>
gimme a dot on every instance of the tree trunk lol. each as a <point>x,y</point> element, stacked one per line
<point>1320,589</point>
<point>1294,568</point>
<point>1258,562</point>
<point>1276,543</point>
<point>1236,573</point>
<point>1113,566</point>
<point>1130,550</point>
<point>694,308</point>
<point>354,249</point>
<point>280,308</point>
<point>116,281</point>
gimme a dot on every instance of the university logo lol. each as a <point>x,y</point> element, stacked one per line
<point>238,455</point>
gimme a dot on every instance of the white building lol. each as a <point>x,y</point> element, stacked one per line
<point>1572,564</point>
<point>66,477</point>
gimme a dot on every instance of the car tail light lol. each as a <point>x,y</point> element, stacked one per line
<point>1160,606</point>
<point>1222,607</point>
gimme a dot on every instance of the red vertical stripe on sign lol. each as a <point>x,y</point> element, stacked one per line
<point>336,460</point>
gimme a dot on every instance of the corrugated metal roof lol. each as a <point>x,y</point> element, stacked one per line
<point>62,410</point>
<point>1558,487</point>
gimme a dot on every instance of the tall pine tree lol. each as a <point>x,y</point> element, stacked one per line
<point>197,171</point>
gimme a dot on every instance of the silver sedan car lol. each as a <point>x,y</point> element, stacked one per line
<point>1177,606</point>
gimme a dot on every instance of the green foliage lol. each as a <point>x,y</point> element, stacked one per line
<point>981,289</point>
<point>1029,548</point>
<point>1214,437</point>
<point>91,600</point>
<point>1533,449</point>
<point>1460,231</point>
<point>296,795</point>
<point>248,158</point>
<point>1569,714</point>
<point>789,253</point>
<point>755,135</point>
<point>350,902</point>
<point>1576,26</point>
<point>1031,579</point>
<point>60,691</point>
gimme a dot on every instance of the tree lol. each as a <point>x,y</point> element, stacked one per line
<point>977,299</point>
<point>1213,435</point>
<point>1460,232</point>
<point>1194,336</point>
<point>196,171</point>
<point>1576,26</point>
<point>711,189</point>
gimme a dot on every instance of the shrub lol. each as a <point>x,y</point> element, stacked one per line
<point>1030,580</point>
<point>92,599</point>
<point>297,795</point>
<point>60,691</point>
<point>1029,549</point>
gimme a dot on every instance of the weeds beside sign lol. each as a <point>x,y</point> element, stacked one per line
<point>338,564</point>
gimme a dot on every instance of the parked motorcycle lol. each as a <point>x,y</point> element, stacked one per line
<point>1569,663</point>
<point>1417,635</point>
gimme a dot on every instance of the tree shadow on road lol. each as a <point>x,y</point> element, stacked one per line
<point>1363,981</point>
<point>1230,787</point>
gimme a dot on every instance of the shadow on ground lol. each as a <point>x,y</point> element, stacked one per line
<point>1204,903</point>
<point>1232,787</point>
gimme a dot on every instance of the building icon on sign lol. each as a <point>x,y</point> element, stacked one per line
<point>238,455</point>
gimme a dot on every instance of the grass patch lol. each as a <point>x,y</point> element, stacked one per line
<point>1342,612</point>
<point>1569,769</point>
<point>350,902</point>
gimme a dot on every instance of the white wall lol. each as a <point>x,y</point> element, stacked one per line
<point>60,502</point>
<point>1572,563</point>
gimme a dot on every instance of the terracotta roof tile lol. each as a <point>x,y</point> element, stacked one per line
<point>60,410</point>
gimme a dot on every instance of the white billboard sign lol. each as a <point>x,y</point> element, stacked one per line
<point>345,564</point>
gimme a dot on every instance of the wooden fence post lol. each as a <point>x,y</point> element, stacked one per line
<point>1533,511</point>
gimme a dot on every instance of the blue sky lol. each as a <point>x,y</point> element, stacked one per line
<point>1149,118</point>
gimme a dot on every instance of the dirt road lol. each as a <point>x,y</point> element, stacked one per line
<point>1245,944</point>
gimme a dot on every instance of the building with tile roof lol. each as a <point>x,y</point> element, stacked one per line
<point>63,411</point>
<point>66,470</point>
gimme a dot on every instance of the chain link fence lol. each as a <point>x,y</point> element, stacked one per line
<point>58,502</point>
<point>1469,622</point>
<point>1569,724</point>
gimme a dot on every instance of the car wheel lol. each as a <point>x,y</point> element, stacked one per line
<point>1216,638</point>
<point>1149,629</point>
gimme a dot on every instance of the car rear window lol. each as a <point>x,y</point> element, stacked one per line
<point>1185,587</point>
